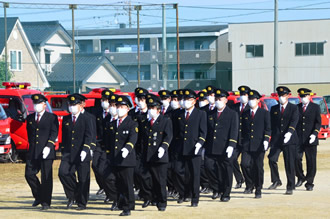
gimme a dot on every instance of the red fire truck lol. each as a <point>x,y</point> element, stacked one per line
<point>16,101</point>
<point>5,140</point>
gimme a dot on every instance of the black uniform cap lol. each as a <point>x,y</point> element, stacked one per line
<point>202,95</point>
<point>188,93</point>
<point>75,98</point>
<point>221,93</point>
<point>282,90</point>
<point>38,98</point>
<point>153,100</point>
<point>142,92</point>
<point>123,100</point>
<point>243,90</point>
<point>254,94</point>
<point>304,91</point>
<point>210,89</point>
<point>106,94</point>
<point>164,93</point>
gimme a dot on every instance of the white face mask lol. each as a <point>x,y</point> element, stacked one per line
<point>244,99</point>
<point>74,109</point>
<point>305,100</point>
<point>113,111</point>
<point>219,104</point>
<point>136,100</point>
<point>165,103</point>
<point>188,104</point>
<point>282,100</point>
<point>211,99</point>
<point>121,112</point>
<point>153,113</point>
<point>202,104</point>
<point>38,107</point>
<point>253,103</point>
<point>175,104</point>
<point>142,104</point>
<point>181,103</point>
<point>105,105</point>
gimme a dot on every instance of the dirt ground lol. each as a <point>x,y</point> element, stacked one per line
<point>16,199</point>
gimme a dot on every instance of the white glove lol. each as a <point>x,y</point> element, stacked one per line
<point>45,152</point>
<point>197,147</point>
<point>91,151</point>
<point>203,153</point>
<point>125,152</point>
<point>312,138</point>
<point>229,151</point>
<point>266,144</point>
<point>287,137</point>
<point>161,152</point>
<point>83,156</point>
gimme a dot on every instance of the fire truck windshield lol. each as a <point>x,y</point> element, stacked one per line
<point>270,103</point>
<point>29,104</point>
<point>294,100</point>
<point>3,115</point>
<point>320,101</point>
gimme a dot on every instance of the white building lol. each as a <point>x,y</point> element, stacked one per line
<point>304,58</point>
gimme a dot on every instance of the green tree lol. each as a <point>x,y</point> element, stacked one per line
<point>3,72</point>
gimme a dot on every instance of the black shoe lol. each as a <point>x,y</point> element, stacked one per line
<point>107,200</point>
<point>45,207</point>
<point>248,191</point>
<point>125,213</point>
<point>146,204</point>
<point>224,199</point>
<point>114,207</point>
<point>300,182</point>
<point>100,192</point>
<point>275,185</point>
<point>239,185</point>
<point>70,203</point>
<point>36,203</point>
<point>258,196</point>
<point>289,192</point>
<point>309,188</point>
<point>194,204</point>
<point>180,201</point>
<point>215,195</point>
<point>80,208</point>
<point>161,209</point>
<point>187,199</point>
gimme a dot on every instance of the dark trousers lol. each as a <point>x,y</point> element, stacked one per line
<point>253,165</point>
<point>109,182</point>
<point>289,154</point>
<point>124,184</point>
<point>212,171</point>
<point>310,154</point>
<point>98,165</point>
<point>204,178</point>
<point>187,169</point>
<point>40,191</point>
<point>236,167</point>
<point>74,190</point>
<point>142,178</point>
<point>225,175</point>
<point>159,178</point>
<point>170,176</point>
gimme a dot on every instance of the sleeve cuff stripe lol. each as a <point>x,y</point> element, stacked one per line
<point>130,144</point>
<point>86,145</point>
<point>51,142</point>
<point>232,140</point>
<point>166,144</point>
<point>292,128</point>
<point>202,138</point>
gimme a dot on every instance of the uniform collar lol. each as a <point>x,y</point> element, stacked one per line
<point>40,115</point>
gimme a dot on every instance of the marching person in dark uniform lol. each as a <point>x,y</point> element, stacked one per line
<point>77,131</point>
<point>42,130</point>
<point>308,128</point>
<point>284,119</point>
<point>255,136</point>
<point>165,96</point>
<point>109,178</point>
<point>221,140</point>
<point>99,155</point>
<point>240,108</point>
<point>123,134</point>
<point>202,99</point>
<point>158,135</point>
<point>192,128</point>
<point>210,98</point>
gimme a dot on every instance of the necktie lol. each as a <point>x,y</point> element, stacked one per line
<point>119,122</point>
<point>74,120</point>
<point>282,110</point>
<point>152,122</point>
<point>105,114</point>
<point>219,114</point>
<point>38,118</point>
<point>187,116</point>
<point>304,109</point>
<point>242,108</point>
<point>163,111</point>
<point>252,115</point>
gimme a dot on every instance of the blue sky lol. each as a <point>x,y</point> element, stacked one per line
<point>210,12</point>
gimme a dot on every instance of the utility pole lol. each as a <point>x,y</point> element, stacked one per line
<point>138,8</point>
<point>164,66</point>
<point>72,7</point>
<point>5,6</point>
<point>177,43</point>
<point>275,45</point>
<point>129,15</point>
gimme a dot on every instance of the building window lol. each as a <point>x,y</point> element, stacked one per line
<point>47,58</point>
<point>309,49</point>
<point>16,60</point>
<point>254,51</point>
<point>200,74</point>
